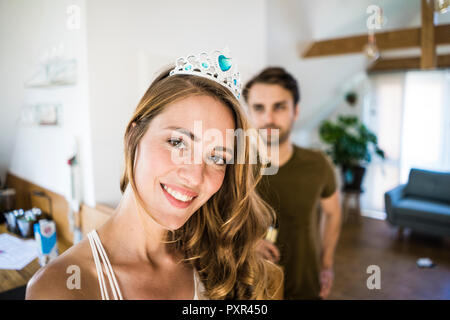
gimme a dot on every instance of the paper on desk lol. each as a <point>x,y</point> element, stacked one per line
<point>16,253</point>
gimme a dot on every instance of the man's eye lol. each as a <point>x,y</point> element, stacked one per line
<point>177,143</point>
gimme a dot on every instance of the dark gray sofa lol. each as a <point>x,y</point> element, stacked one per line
<point>423,204</point>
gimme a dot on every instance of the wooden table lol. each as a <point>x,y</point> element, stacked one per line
<point>10,279</point>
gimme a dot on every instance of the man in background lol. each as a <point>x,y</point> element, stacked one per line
<point>304,180</point>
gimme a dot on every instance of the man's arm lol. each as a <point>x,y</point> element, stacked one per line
<point>331,210</point>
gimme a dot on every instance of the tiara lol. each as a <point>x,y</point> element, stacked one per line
<point>216,66</point>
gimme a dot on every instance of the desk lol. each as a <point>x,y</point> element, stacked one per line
<point>10,279</point>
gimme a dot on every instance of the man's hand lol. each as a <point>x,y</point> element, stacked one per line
<point>326,282</point>
<point>268,250</point>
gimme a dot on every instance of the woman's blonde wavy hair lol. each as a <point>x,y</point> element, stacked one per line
<point>219,239</point>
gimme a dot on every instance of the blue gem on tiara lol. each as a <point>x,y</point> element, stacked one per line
<point>224,63</point>
<point>216,66</point>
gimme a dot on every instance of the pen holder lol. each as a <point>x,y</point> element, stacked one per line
<point>25,227</point>
<point>11,223</point>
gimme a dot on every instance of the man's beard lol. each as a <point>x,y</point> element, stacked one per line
<point>283,136</point>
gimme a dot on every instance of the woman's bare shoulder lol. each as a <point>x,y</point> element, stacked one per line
<point>70,276</point>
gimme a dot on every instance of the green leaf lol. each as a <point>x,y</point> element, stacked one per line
<point>346,148</point>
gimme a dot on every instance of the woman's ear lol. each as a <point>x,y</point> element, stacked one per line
<point>133,124</point>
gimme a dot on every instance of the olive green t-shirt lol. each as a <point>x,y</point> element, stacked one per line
<point>294,192</point>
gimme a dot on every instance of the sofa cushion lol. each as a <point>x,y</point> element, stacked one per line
<point>423,210</point>
<point>429,184</point>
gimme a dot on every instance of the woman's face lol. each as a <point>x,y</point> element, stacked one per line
<point>181,158</point>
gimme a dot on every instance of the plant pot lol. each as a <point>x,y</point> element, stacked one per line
<point>352,177</point>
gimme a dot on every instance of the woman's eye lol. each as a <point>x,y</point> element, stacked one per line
<point>177,143</point>
<point>218,160</point>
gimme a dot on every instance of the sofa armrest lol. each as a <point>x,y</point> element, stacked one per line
<point>391,198</point>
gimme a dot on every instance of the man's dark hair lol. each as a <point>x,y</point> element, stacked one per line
<point>275,75</point>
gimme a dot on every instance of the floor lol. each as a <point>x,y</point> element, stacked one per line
<point>367,241</point>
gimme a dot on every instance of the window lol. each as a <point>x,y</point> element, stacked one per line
<point>410,113</point>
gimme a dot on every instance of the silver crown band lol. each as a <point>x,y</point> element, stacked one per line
<point>216,66</point>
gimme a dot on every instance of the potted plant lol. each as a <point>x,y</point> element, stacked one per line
<point>351,147</point>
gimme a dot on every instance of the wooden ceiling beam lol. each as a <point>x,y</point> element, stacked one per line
<point>409,63</point>
<point>427,40</point>
<point>388,40</point>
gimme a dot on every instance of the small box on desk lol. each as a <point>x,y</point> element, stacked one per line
<point>45,235</point>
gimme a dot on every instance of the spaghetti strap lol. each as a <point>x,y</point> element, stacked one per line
<point>101,278</point>
<point>96,248</point>
<point>195,286</point>
<point>199,288</point>
<point>100,257</point>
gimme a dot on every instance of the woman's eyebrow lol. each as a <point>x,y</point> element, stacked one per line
<point>184,131</point>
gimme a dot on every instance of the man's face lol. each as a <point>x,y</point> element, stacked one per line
<point>272,107</point>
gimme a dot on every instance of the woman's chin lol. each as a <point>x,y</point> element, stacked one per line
<point>174,223</point>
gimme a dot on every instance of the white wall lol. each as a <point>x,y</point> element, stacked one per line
<point>119,47</point>
<point>11,85</point>
<point>29,32</point>
<point>129,40</point>
<point>293,25</point>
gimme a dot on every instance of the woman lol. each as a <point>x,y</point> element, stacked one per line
<point>183,229</point>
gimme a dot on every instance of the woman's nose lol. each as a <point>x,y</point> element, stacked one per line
<point>192,174</point>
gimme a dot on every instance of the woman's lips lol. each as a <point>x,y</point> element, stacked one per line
<point>175,202</point>
<point>186,192</point>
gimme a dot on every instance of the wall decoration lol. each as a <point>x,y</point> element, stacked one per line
<point>56,69</point>
<point>43,114</point>
<point>48,114</point>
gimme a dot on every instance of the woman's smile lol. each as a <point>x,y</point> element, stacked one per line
<point>178,197</point>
